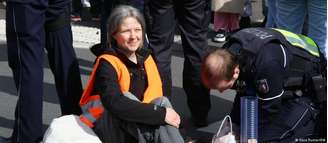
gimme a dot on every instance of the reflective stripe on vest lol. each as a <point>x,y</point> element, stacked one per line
<point>91,105</point>
<point>301,41</point>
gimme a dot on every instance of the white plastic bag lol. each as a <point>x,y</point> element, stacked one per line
<point>228,138</point>
<point>69,129</point>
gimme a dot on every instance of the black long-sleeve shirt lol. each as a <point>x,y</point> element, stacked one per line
<point>107,86</point>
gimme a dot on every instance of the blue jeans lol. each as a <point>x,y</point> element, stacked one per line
<point>291,15</point>
<point>272,13</point>
<point>247,8</point>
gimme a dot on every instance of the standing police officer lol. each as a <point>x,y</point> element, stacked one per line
<point>284,70</point>
<point>31,26</point>
<point>192,18</point>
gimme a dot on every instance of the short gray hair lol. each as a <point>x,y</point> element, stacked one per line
<point>118,14</point>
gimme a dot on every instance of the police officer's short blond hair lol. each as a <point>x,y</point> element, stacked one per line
<point>218,65</point>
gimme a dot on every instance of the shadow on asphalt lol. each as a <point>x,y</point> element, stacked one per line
<point>219,108</point>
<point>85,63</point>
<point>9,124</point>
<point>82,62</point>
<point>6,123</point>
<point>7,85</point>
<point>3,52</point>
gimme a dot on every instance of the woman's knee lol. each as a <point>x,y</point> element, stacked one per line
<point>162,101</point>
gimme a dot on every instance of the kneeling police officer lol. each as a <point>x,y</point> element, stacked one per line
<point>284,70</point>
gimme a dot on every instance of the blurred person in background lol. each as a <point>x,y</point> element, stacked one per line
<point>192,18</point>
<point>271,13</point>
<point>31,27</point>
<point>291,16</point>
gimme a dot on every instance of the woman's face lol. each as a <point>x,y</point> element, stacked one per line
<point>129,35</point>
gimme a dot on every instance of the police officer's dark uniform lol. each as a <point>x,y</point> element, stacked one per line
<point>31,26</point>
<point>285,71</point>
<point>192,18</point>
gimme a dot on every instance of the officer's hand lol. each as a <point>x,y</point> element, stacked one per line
<point>172,117</point>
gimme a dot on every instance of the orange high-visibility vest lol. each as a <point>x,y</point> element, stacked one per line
<point>91,105</point>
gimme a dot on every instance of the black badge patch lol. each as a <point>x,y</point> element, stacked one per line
<point>262,86</point>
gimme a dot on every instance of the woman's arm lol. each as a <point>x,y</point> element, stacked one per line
<point>106,85</point>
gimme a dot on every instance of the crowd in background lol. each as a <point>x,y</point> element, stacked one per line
<point>309,17</point>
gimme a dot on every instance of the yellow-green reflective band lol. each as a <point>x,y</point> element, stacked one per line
<point>300,41</point>
<point>308,41</point>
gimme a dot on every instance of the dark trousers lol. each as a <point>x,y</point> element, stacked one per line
<point>192,18</point>
<point>76,7</point>
<point>26,40</point>
<point>107,6</point>
<point>110,129</point>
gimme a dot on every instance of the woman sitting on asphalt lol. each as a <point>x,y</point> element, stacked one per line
<point>123,101</point>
